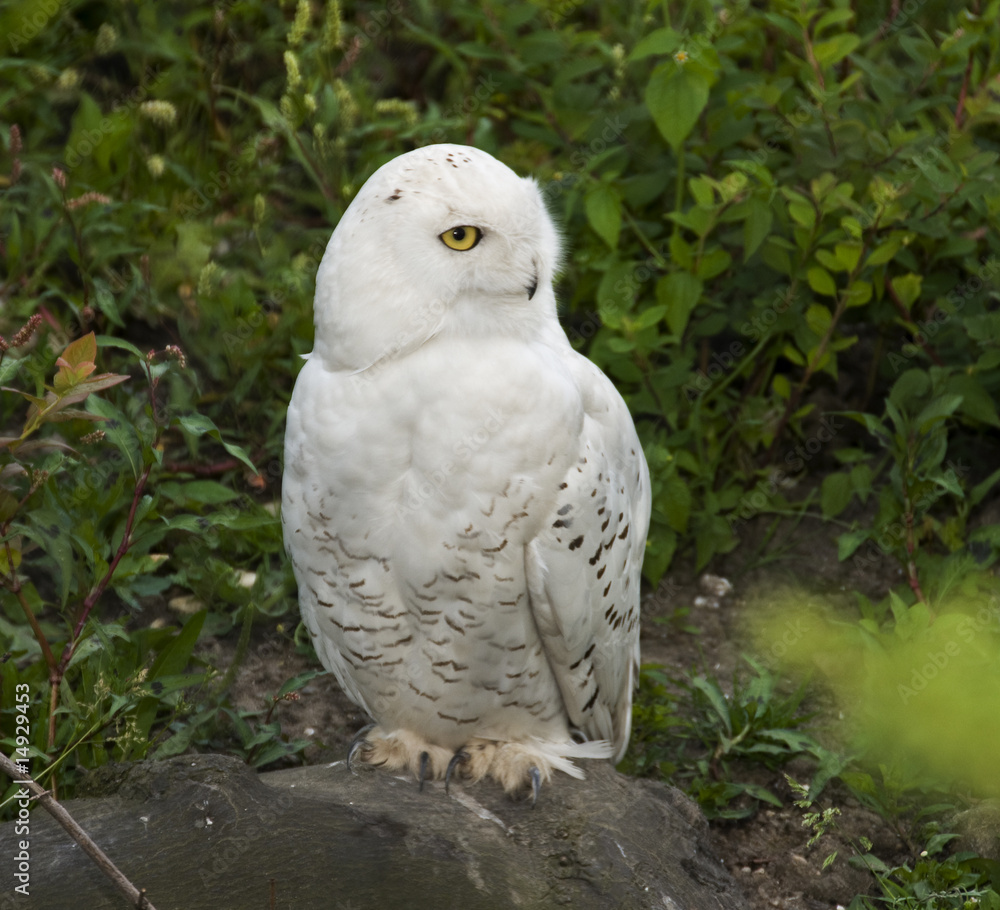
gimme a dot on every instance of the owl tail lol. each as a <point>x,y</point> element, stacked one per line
<point>560,755</point>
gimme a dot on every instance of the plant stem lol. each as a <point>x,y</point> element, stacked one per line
<point>134,896</point>
<point>99,589</point>
<point>911,546</point>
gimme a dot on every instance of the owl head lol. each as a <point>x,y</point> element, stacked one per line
<point>441,240</point>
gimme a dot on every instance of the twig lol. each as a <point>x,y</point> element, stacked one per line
<point>960,109</point>
<point>912,575</point>
<point>893,13</point>
<point>135,897</point>
<point>95,595</point>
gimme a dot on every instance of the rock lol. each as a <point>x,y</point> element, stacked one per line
<point>207,832</point>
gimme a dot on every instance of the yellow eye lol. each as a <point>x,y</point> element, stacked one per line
<point>462,238</point>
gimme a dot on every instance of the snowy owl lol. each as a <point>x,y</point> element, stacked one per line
<point>465,501</point>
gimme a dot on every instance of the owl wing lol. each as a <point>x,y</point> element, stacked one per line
<point>583,568</point>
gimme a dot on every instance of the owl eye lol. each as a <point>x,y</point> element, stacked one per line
<point>462,238</point>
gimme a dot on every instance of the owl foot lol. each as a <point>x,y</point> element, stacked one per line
<point>513,765</point>
<point>376,748</point>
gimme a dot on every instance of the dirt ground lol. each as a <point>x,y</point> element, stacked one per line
<point>767,853</point>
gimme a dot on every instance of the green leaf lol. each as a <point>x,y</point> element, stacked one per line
<point>802,212</point>
<point>835,494</point>
<point>650,317</point>
<point>9,366</point>
<point>200,425</point>
<point>174,658</point>
<point>976,401</point>
<point>819,319</point>
<point>884,252</point>
<point>848,254</point>
<point>907,288</point>
<point>849,542</point>
<point>659,41</point>
<point>297,682</point>
<point>756,226</point>
<point>713,262</point>
<point>118,431</point>
<point>674,501</point>
<point>859,293</point>
<point>833,17</point>
<point>603,205</point>
<point>834,50</point>
<point>49,529</point>
<point>205,492</point>
<point>829,261</point>
<point>676,95</point>
<point>821,281</point>
<point>941,407</point>
<point>616,293</point>
<point>109,341</point>
<point>679,292</point>
<point>911,385</point>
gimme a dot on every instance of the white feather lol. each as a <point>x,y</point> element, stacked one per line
<point>439,437</point>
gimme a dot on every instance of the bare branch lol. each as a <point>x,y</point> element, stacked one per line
<point>135,897</point>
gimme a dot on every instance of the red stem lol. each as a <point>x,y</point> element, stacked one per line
<point>102,585</point>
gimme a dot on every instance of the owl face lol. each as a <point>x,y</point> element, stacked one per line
<point>441,240</point>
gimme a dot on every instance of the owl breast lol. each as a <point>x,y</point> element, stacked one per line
<point>411,493</point>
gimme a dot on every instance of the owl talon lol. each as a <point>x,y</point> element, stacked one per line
<point>425,760</point>
<point>536,784</point>
<point>459,758</point>
<point>358,743</point>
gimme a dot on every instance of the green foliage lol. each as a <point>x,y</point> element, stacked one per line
<point>90,522</point>
<point>935,881</point>
<point>902,673</point>
<point>755,198</point>
<point>767,206</point>
<point>691,731</point>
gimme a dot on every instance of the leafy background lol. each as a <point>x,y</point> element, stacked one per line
<point>782,229</point>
